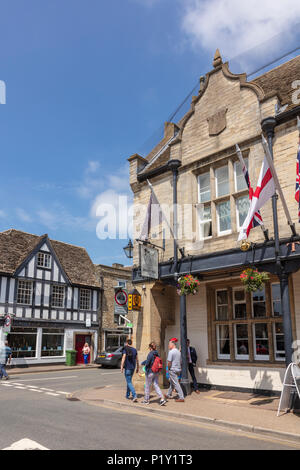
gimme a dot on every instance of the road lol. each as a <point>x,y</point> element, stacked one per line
<point>35,407</point>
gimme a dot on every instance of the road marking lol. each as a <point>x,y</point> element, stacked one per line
<point>53,394</point>
<point>45,379</point>
<point>63,393</point>
<point>47,389</point>
<point>26,444</point>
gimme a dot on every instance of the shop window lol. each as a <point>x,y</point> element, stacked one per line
<point>239,303</point>
<point>52,342</point>
<point>22,342</point>
<point>261,341</point>
<point>223,343</point>
<point>222,304</point>
<point>259,303</point>
<point>114,341</point>
<point>238,335</point>
<point>277,311</point>
<point>241,342</point>
<point>279,341</point>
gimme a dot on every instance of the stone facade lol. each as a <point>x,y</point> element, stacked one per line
<point>111,277</point>
<point>227,111</point>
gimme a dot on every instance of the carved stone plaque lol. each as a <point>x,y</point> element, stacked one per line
<point>217,123</point>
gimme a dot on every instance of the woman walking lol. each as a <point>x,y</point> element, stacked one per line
<point>86,352</point>
<point>151,375</point>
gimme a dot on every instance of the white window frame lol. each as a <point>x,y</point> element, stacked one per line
<point>260,357</point>
<point>239,302</point>
<point>81,290</point>
<point>237,212</point>
<point>236,163</point>
<point>122,283</point>
<point>29,283</point>
<point>222,356</point>
<point>277,316</point>
<point>202,222</point>
<point>199,188</point>
<point>280,359</point>
<point>44,256</point>
<point>224,232</point>
<point>216,181</point>
<point>57,296</point>
<point>221,305</point>
<point>240,357</point>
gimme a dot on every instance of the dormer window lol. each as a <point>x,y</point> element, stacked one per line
<point>44,260</point>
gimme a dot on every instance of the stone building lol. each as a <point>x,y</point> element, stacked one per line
<point>113,328</point>
<point>238,335</point>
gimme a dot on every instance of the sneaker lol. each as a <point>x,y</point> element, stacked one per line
<point>167,397</point>
<point>181,400</point>
<point>145,402</point>
<point>135,399</point>
<point>162,402</point>
<point>6,378</point>
<point>197,391</point>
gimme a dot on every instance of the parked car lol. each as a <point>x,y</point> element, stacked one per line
<point>110,358</point>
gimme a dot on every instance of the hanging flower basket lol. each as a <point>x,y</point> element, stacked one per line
<point>253,280</point>
<point>188,285</point>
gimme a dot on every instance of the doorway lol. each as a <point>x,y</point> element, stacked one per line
<point>79,343</point>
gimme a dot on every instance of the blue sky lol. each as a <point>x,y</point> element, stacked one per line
<point>87,83</point>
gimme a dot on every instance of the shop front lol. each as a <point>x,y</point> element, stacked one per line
<point>47,344</point>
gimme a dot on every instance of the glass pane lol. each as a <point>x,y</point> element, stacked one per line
<point>222,181</point>
<point>222,312</point>
<point>224,216</point>
<point>52,345</point>
<point>259,304</point>
<point>279,341</point>
<point>204,185</point>
<point>239,176</point>
<point>23,345</point>
<point>261,338</point>
<point>112,342</point>
<point>242,331</point>
<point>243,205</point>
<point>223,339</point>
<point>240,311</point>
<point>239,295</point>
<point>222,297</point>
<point>277,310</point>
<point>242,347</point>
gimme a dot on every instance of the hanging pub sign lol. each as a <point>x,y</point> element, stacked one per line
<point>120,301</point>
<point>134,300</point>
<point>149,261</point>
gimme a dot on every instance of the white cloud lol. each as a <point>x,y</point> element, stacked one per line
<point>23,215</point>
<point>234,26</point>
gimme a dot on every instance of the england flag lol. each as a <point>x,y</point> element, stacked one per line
<point>264,191</point>
<point>298,180</point>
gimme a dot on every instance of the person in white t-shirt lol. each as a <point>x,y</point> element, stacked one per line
<point>174,366</point>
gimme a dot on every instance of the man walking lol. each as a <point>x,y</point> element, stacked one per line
<point>129,363</point>
<point>174,366</point>
<point>5,356</point>
<point>192,359</point>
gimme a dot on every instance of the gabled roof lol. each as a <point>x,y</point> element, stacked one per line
<point>17,246</point>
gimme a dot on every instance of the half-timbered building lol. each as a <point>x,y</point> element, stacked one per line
<point>50,292</point>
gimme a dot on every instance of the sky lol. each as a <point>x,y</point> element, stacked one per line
<point>87,83</point>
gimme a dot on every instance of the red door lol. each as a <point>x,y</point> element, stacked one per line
<point>80,342</point>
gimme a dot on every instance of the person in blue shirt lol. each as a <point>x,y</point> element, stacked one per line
<point>129,363</point>
<point>5,356</point>
<point>151,377</point>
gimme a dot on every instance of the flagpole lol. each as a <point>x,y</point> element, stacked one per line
<point>277,185</point>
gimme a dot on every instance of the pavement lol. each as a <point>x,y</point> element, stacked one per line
<point>236,410</point>
<point>48,368</point>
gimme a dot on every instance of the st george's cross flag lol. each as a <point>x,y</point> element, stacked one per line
<point>257,218</point>
<point>264,191</point>
<point>297,196</point>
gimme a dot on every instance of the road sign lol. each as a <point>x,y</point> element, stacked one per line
<point>120,301</point>
<point>134,300</point>
<point>7,324</point>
